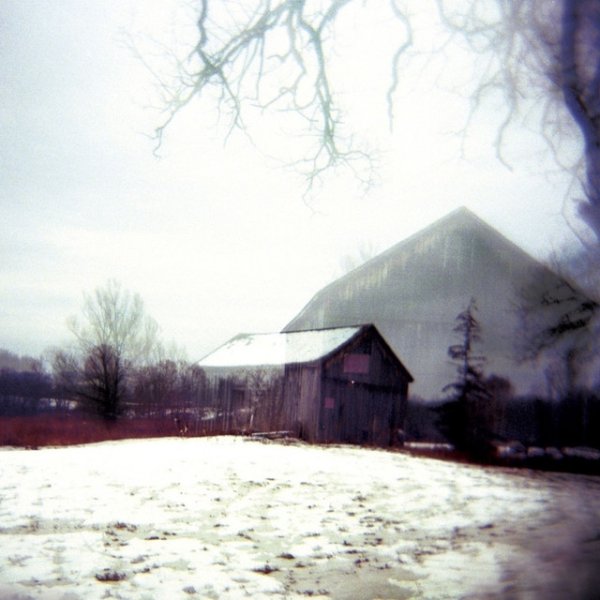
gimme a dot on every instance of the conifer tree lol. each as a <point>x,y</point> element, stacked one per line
<point>462,417</point>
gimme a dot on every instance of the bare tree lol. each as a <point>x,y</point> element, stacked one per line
<point>112,337</point>
<point>548,51</point>
<point>276,55</point>
<point>155,388</point>
<point>561,323</point>
<point>104,380</point>
<point>579,264</point>
<point>364,252</point>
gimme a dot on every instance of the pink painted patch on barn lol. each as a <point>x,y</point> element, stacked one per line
<point>356,363</point>
<point>329,402</point>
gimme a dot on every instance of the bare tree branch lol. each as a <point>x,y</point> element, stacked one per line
<point>398,54</point>
<point>276,55</point>
<point>547,50</point>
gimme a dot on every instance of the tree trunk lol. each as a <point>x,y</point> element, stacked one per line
<point>580,84</point>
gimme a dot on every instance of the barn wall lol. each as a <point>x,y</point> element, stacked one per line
<point>357,396</point>
<point>245,400</point>
<point>366,360</point>
<point>301,400</point>
<point>364,393</point>
<point>358,413</point>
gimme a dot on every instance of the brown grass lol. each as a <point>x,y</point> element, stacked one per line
<point>64,430</point>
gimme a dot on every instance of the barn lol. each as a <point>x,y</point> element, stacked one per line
<point>341,384</point>
<point>413,292</point>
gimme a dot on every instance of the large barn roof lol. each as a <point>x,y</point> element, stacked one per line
<point>413,292</point>
<point>265,349</point>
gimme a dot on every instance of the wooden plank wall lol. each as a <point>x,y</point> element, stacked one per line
<point>364,395</point>
<point>357,396</point>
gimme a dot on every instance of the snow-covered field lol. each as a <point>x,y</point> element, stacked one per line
<point>235,518</point>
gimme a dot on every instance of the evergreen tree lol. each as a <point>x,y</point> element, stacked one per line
<point>462,418</point>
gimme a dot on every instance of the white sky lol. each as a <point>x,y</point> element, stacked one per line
<point>216,237</point>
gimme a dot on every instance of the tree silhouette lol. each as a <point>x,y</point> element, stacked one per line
<point>462,418</point>
<point>561,323</point>
<point>113,336</point>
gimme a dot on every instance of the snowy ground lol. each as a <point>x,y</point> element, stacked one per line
<point>234,518</point>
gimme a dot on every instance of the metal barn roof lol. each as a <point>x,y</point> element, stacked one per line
<point>413,292</point>
<point>263,349</point>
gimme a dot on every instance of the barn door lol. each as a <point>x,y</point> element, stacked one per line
<point>381,418</point>
<point>364,415</point>
<point>354,414</point>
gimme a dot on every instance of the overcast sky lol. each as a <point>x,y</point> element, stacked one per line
<point>217,238</point>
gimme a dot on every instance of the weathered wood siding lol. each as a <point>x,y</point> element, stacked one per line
<point>356,395</point>
<point>245,400</point>
<point>301,400</point>
<point>364,394</point>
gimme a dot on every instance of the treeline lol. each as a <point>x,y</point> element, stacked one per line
<point>480,412</point>
<point>169,397</point>
<point>165,388</point>
<point>573,420</point>
<point>26,392</point>
<point>180,392</point>
<point>13,362</point>
<point>178,398</point>
<point>118,370</point>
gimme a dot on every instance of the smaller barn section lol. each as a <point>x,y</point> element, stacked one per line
<point>341,384</point>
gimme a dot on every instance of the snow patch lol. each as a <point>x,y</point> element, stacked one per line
<point>230,518</point>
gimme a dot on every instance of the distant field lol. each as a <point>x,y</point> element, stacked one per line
<point>61,430</point>
<point>233,518</point>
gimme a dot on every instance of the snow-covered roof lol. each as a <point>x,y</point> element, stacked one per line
<point>263,349</point>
